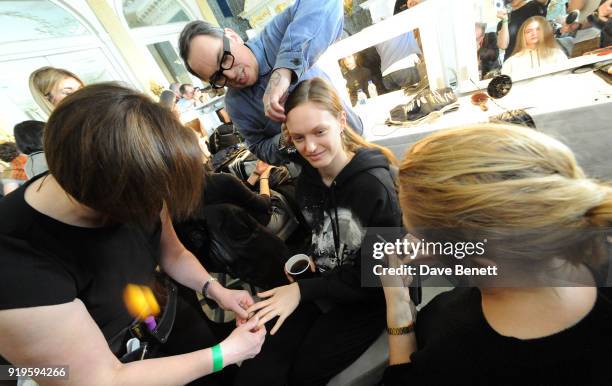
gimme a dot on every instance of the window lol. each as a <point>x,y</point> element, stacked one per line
<point>35,20</point>
<point>146,13</point>
<point>90,65</point>
<point>169,62</point>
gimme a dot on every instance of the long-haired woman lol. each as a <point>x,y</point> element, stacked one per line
<point>345,186</point>
<point>536,49</point>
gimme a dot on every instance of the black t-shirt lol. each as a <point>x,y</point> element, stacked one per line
<point>516,20</point>
<point>458,347</point>
<point>47,262</point>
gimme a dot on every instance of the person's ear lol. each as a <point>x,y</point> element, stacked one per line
<point>343,120</point>
<point>233,36</point>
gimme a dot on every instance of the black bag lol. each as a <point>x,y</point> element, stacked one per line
<point>166,293</point>
<point>223,137</point>
<point>242,165</point>
<point>227,239</point>
<point>236,160</point>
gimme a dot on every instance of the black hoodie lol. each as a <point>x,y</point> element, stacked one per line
<point>362,195</point>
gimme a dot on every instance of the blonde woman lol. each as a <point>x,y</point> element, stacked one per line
<point>50,85</point>
<point>536,49</point>
<point>322,324</point>
<point>509,329</point>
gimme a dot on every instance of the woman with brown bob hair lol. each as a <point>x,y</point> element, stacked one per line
<point>542,319</point>
<point>536,49</point>
<point>119,167</point>
<point>345,187</point>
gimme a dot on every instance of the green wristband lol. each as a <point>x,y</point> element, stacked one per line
<point>217,357</point>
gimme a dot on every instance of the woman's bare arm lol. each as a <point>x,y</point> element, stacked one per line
<point>65,334</point>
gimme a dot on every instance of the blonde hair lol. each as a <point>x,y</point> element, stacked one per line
<point>42,82</point>
<point>490,177</point>
<point>546,45</point>
<point>320,92</point>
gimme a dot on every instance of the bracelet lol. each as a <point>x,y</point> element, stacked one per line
<point>401,330</point>
<point>264,178</point>
<point>206,285</point>
<point>217,357</point>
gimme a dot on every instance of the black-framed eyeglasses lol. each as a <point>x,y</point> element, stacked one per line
<point>218,80</point>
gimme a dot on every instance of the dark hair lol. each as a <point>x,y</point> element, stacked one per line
<point>28,136</point>
<point>121,154</point>
<point>400,6</point>
<point>191,30</point>
<point>8,151</point>
<point>183,87</point>
<point>488,54</point>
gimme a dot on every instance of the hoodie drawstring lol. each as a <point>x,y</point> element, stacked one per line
<point>335,224</point>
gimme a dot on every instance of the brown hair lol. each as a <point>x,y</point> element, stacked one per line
<point>320,92</point>
<point>43,80</point>
<point>118,152</point>
<point>490,177</point>
<point>8,151</point>
<point>546,45</point>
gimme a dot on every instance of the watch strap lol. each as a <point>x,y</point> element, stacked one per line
<point>401,330</point>
<point>206,285</point>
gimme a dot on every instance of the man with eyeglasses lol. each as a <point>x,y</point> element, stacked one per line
<point>261,72</point>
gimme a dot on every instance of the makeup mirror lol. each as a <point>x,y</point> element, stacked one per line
<point>531,38</point>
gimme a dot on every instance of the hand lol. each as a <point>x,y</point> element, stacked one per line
<point>282,302</point>
<point>396,287</point>
<point>232,300</point>
<point>412,3</point>
<point>244,342</point>
<point>276,94</point>
<point>567,28</point>
<point>261,167</point>
<point>502,14</point>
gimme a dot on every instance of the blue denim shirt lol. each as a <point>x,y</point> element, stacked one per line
<point>294,39</point>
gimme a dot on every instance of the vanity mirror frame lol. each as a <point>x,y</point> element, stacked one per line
<point>433,19</point>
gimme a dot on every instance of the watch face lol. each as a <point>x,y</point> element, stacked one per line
<point>499,86</point>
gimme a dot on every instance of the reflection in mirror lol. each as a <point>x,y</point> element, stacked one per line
<point>388,66</point>
<point>523,38</point>
<point>359,14</point>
